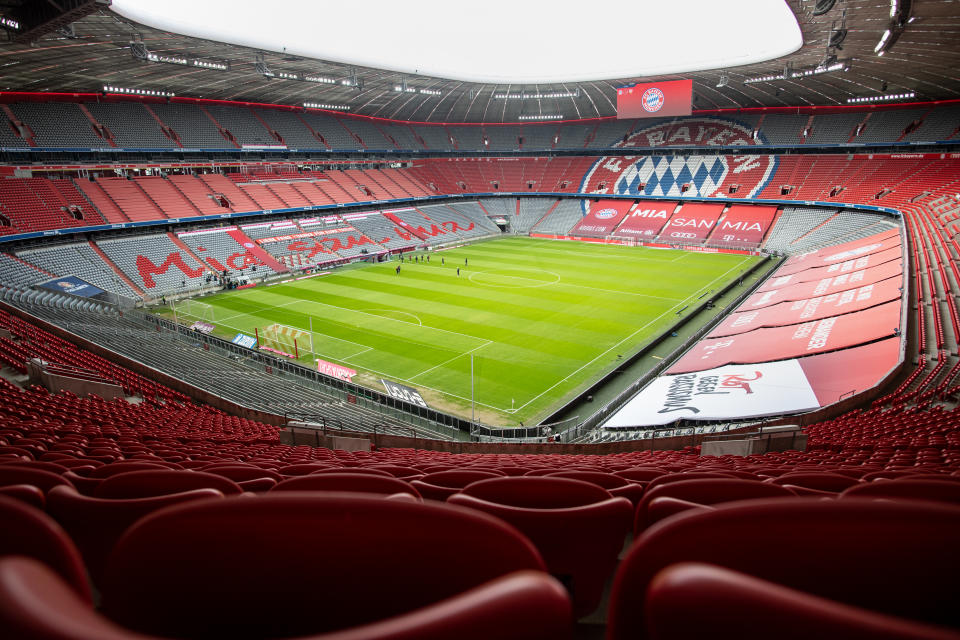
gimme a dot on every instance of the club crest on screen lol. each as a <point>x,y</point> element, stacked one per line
<point>652,100</point>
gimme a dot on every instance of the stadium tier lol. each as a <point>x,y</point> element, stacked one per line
<point>195,124</point>
<point>435,358</point>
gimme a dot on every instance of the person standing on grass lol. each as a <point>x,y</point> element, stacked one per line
<point>398,269</point>
<point>458,271</point>
<point>442,261</point>
<point>464,262</point>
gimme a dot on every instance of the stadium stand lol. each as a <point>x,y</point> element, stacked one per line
<point>193,128</point>
<point>81,260</point>
<point>560,218</point>
<point>868,479</point>
<point>132,125</point>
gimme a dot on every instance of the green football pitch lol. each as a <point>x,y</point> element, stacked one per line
<point>540,319</point>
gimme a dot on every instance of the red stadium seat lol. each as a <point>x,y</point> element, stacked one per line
<point>175,572</point>
<point>26,531</point>
<point>35,604</point>
<point>835,549</point>
<point>95,524</point>
<point>26,493</point>
<point>443,484</point>
<point>160,482</point>
<point>907,489</point>
<point>616,485</point>
<point>347,482</point>
<point>693,493</point>
<point>814,482</point>
<point>593,522</point>
<point>43,480</point>
<point>691,600</point>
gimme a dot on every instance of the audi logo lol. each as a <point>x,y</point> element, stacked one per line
<point>677,234</point>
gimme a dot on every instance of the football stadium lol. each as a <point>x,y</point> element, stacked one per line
<point>385,321</point>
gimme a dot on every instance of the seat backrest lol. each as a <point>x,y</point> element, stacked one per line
<point>158,482</point>
<point>640,474</point>
<point>594,524</point>
<point>302,469</point>
<point>852,551</point>
<point>397,471</point>
<point>346,481</point>
<point>309,562</point>
<point>124,466</point>
<point>705,491</point>
<point>691,600</point>
<point>599,478</point>
<point>40,478</point>
<point>537,492</point>
<point>27,531</point>
<point>443,484</point>
<point>686,475</point>
<point>241,473</point>
<point>819,480</point>
<point>95,524</point>
<point>364,470</point>
<point>907,489</point>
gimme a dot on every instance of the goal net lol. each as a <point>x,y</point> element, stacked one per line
<point>195,310</point>
<point>287,339</point>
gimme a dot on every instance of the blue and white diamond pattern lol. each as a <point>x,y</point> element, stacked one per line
<point>664,176</point>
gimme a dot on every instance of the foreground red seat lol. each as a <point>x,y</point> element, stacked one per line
<point>577,526</point>
<point>26,531</point>
<point>857,552</point>
<point>691,600</point>
<point>35,604</point>
<point>95,524</point>
<point>311,563</point>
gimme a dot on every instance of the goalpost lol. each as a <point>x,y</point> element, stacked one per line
<point>195,310</point>
<point>287,339</point>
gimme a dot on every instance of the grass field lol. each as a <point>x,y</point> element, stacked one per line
<point>541,318</point>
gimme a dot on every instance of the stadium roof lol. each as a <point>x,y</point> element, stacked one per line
<point>64,50</point>
<point>531,46</point>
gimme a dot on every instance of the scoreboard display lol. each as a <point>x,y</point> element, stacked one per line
<point>655,99</point>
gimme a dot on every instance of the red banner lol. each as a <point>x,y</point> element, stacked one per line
<point>824,287</point>
<point>842,252</point>
<point>889,259</point>
<point>841,374</point>
<point>655,99</point>
<point>646,220</point>
<point>787,313</point>
<point>693,222</point>
<point>603,217</point>
<point>778,343</point>
<point>743,225</point>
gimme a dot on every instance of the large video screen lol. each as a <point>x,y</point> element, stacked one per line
<point>655,99</point>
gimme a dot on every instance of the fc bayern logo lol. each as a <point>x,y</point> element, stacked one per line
<point>605,214</point>
<point>652,100</point>
<point>742,175</point>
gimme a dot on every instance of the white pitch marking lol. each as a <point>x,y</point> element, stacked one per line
<point>630,336</point>
<point>489,342</point>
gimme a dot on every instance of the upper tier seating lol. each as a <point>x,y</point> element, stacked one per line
<point>192,126</point>
<point>131,125</point>
<point>58,124</point>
